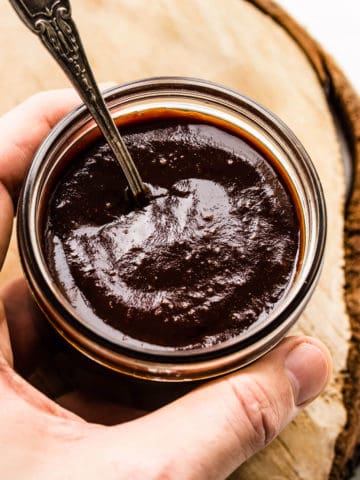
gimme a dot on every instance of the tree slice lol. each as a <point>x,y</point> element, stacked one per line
<point>347,104</point>
<point>257,49</point>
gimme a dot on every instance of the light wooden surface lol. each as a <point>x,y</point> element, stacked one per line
<point>234,44</point>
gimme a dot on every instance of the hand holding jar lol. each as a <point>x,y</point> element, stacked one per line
<point>203,435</point>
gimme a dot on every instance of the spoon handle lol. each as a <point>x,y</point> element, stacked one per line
<point>51,20</point>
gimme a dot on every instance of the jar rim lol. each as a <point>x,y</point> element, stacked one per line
<point>274,326</point>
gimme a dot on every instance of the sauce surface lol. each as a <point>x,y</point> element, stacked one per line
<point>212,252</point>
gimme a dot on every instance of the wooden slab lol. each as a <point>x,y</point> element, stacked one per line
<point>257,49</point>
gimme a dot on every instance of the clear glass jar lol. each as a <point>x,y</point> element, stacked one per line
<point>217,105</point>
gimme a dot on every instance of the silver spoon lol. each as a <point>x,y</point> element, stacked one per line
<point>51,20</point>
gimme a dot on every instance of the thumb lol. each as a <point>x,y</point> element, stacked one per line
<point>211,431</point>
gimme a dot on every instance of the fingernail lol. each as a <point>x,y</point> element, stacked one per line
<point>308,370</point>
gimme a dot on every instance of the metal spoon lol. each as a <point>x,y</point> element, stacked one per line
<point>51,20</point>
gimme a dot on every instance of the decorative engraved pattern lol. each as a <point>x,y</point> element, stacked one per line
<point>58,33</point>
<point>34,8</point>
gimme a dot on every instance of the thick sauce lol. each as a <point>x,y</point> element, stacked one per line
<point>211,253</point>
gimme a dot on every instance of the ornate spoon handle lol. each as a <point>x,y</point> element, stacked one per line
<point>51,21</point>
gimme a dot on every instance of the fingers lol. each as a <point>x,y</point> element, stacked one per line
<point>21,132</point>
<point>24,128</point>
<point>211,431</point>
<point>30,333</point>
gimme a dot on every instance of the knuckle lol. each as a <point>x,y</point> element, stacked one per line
<point>258,410</point>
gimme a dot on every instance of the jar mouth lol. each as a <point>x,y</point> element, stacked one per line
<point>181,96</point>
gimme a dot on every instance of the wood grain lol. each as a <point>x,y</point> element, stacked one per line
<point>239,45</point>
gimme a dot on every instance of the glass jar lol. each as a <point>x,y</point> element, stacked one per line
<point>214,104</point>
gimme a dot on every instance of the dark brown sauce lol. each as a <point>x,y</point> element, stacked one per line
<point>211,254</point>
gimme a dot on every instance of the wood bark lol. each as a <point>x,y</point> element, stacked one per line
<point>255,48</point>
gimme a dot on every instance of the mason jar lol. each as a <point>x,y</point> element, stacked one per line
<point>189,99</point>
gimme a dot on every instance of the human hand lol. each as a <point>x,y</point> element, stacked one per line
<point>204,435</point>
